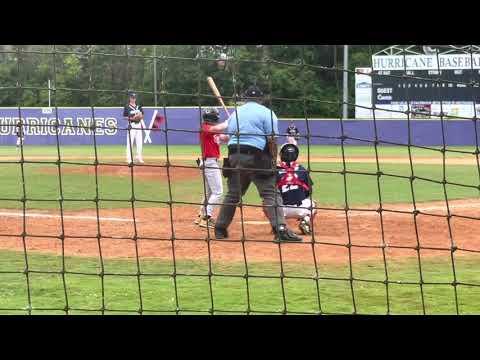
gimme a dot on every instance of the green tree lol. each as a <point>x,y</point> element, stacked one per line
<point>302,80</point>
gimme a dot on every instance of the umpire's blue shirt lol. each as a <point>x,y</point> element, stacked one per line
<point>255,121</point>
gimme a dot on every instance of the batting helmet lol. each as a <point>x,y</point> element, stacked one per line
<point>211,115</point>
<point>289,153</point>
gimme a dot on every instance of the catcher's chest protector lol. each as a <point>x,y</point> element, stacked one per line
<point>290,177</point>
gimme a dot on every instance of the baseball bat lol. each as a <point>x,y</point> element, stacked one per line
<point>215,91</point>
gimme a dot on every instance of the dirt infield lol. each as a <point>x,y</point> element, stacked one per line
<point>420,160</point>
<point>147,172</point>
<point>155,160</point>
<point>190,241</point>
<point>155,169</point>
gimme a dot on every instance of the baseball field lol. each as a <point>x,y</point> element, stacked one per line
<point>115,239</point>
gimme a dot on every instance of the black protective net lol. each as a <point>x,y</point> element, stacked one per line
<point>69,250</point>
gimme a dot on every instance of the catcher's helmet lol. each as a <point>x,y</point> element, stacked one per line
<point>289,153</point>
<point>211,115</point>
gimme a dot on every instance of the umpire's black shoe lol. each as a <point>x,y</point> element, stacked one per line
<point>221,233</point>
<point>286,235</point>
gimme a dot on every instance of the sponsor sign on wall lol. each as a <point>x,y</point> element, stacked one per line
<point>182,125</point>
<point>363,93</point>
<point>428,85</point>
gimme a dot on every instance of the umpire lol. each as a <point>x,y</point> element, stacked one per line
<point>250,152</point>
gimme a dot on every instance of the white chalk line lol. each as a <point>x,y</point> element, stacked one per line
<point>374,213</point>
<point>247,222</point>
<point>451,206</point>
<point>74,217</point>
<point>352,212</point>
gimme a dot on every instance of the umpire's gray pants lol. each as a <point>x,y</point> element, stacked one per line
<point>238,183</point>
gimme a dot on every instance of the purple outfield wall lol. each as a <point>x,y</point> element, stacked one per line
<point>74,128</point>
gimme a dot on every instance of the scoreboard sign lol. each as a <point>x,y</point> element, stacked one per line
<point>428,84</point>
<point>426,62</point>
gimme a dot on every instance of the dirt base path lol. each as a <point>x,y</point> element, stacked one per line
<point>157,236</point>
<point>139,172</point>
<point>155,160</point>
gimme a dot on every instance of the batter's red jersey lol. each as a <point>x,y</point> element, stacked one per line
<point>209,142</point>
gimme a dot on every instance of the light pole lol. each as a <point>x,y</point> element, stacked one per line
<point>49,96</point>
<point>155,73</point>
<point>345,82</point>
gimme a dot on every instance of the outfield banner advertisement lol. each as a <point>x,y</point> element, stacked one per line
<point>76,125</point>
<point>426,62</point>
<point>181,127</point>
<point>363,93</point>
<point>427,85</point>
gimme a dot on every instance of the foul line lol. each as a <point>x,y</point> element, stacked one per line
<point>363,213</point>
<point>473,206</point>
<point>80,217</point>
<point>249,222</point>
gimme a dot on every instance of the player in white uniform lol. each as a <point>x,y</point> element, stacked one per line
<point>134,115</point>
<point>293,134</point>
<point>20,134</point>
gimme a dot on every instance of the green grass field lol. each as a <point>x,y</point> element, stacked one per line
<point>176,150</point>
<point>42,188</point>
<point>191,290</point>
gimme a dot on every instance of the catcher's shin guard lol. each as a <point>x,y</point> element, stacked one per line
<point>305,225</point>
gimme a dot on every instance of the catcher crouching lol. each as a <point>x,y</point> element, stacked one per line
<point>295,186</point>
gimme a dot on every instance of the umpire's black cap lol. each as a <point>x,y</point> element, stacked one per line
<point>253,91</point>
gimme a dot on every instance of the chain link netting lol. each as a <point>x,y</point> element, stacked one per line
<point>199,95</point>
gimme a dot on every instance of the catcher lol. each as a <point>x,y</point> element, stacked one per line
<point>210,140</point>
<point>295,186</point>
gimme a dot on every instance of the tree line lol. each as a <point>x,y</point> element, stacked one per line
<point>300,80</point>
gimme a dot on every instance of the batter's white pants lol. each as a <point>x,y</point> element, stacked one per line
<point>213,186</point>
<point>299,212</point>
<point>134,137</point>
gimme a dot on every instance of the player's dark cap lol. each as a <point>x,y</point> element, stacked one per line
<point>289,152</point>
<point>132,94</point>
<point>253,91</point>
<point>211,115</point>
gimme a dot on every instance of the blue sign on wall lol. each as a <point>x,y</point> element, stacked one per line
<point>181,126</point>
